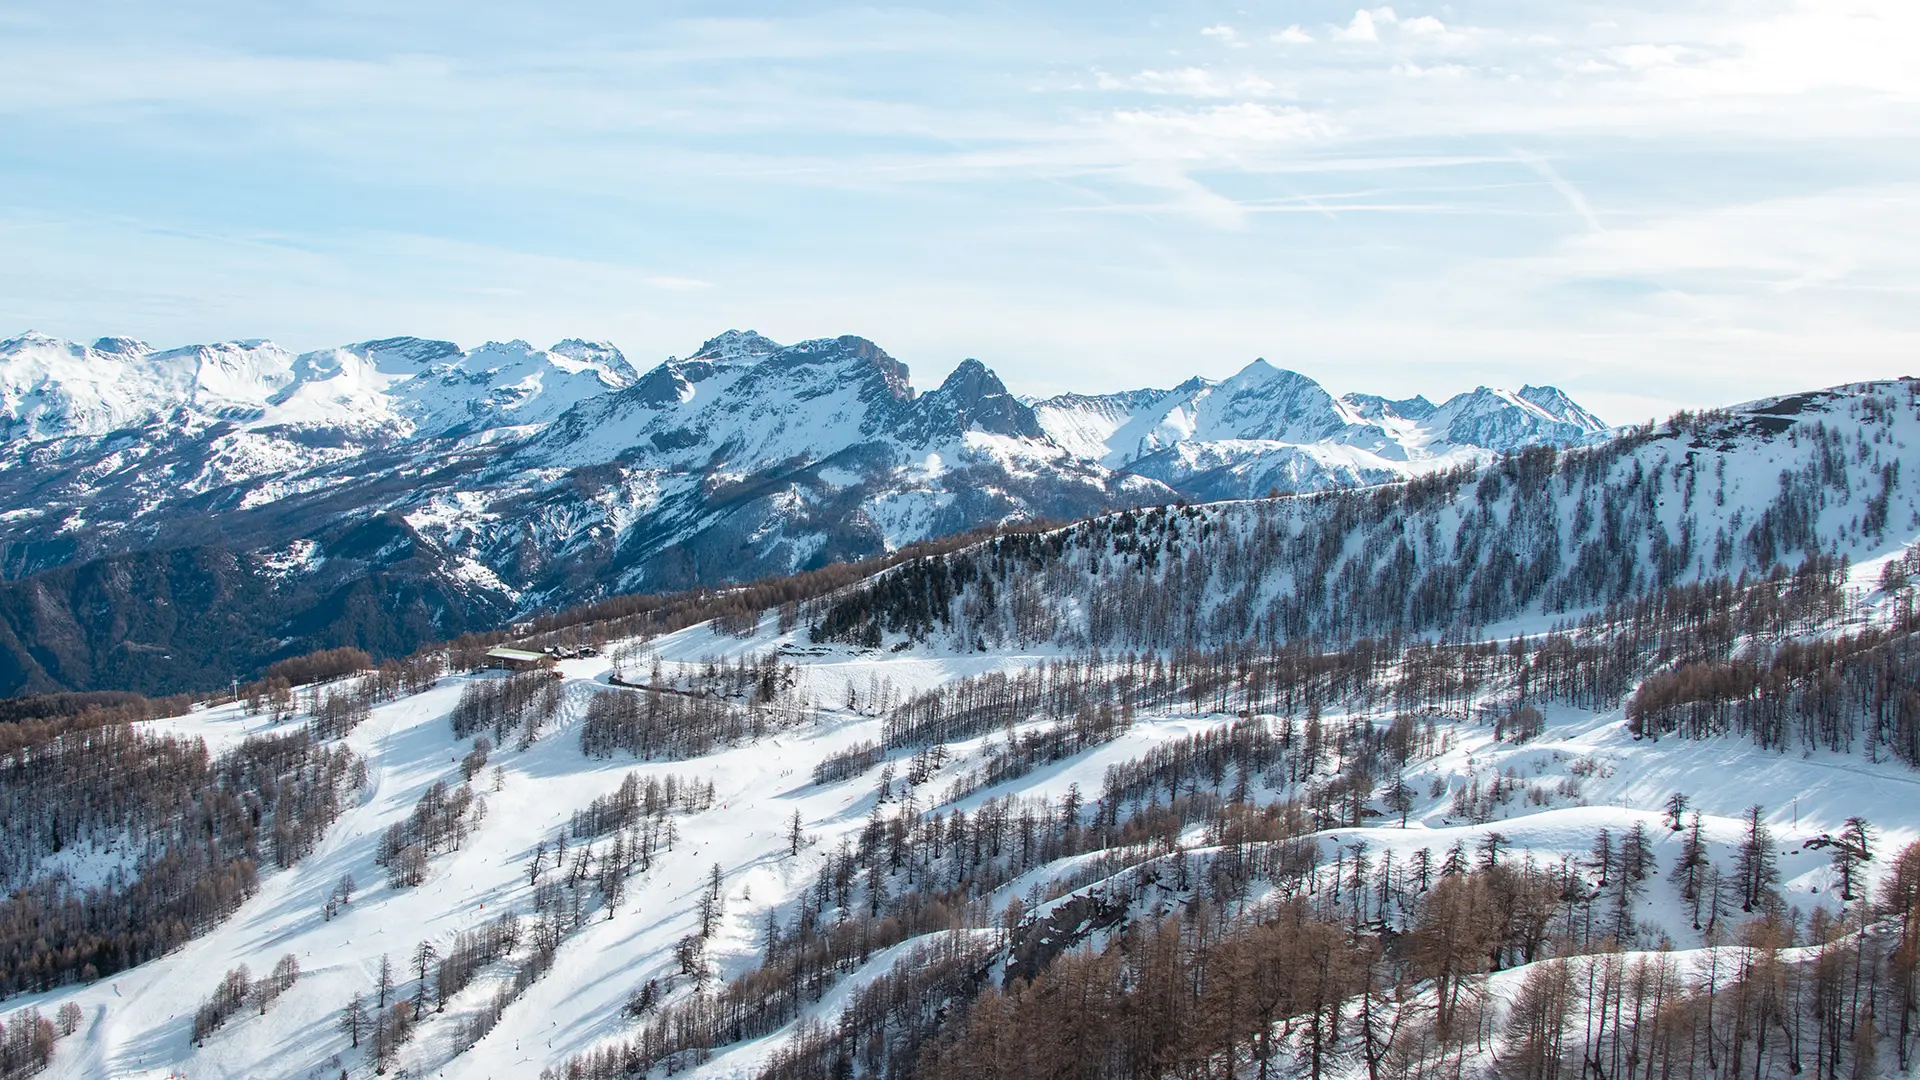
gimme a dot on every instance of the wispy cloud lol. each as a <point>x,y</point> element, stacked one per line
<point>1575,199</point>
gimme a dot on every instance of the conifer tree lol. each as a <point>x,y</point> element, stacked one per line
<point>1676,806</point>
<point>424,955</point>
<point>383,983</point>
<point>353,1019</point>
<point>1692,871</point>
<point>1755,867</point>
<point>1851,850</point>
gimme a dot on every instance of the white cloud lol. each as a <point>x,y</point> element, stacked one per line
<point>1644,56</point>
<point>1362,27</point>
<point>1241,122</point>
<point>1192,82</point>
<point>1433,71</point>
<point>1223,33</point>
<point>1293,35</point>
<point>1369,25</point>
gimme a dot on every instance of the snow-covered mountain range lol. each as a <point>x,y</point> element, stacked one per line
<point>1264,429</point>
<point>488,482</point>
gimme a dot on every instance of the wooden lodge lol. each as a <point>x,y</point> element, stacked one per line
<point>501,658</point>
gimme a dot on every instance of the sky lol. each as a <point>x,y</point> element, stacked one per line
<point>1653,206</point>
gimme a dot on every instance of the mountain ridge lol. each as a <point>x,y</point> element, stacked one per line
<point>519,479</point>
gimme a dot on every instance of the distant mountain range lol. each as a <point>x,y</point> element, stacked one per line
<point>259,503</point>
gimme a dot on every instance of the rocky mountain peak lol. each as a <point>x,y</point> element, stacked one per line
<point>1375,407</point>
<point>599,354</point>
<point>850,348</point>
<point>1555,403</point>
<point>736,346</point>
<point>405,352</point>
<point>121,346</point>
<point>977,398</point>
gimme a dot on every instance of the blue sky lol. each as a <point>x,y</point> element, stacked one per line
<point>1654,206</point>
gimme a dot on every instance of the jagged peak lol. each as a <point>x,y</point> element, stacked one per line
<point>665,383</point>
<point>974,377</point>
<point>1416,407</point>
<point>1378,407</point>
<point>736,345</point>
<point>979,399</point>
<point>1479,395</point>
<point>603,355</point>
<point>1556,403</point>
<point>578,347</point>
<point>850,347</point>
<point>1265,378</point>
<point>1257,371</point>
<point>221,348</point>
<point>121,346</point>
<point>1128,398</point>
<point>1261,381</point>
<point>415,350</point>
<point>516,345</point>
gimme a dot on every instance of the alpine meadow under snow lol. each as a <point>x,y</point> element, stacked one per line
<point>1337,738</point>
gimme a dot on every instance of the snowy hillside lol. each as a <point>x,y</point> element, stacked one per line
<point>1102,792</point>
<point>505,479</point>
<point>1538,538</point>
<point>1546,799</point>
